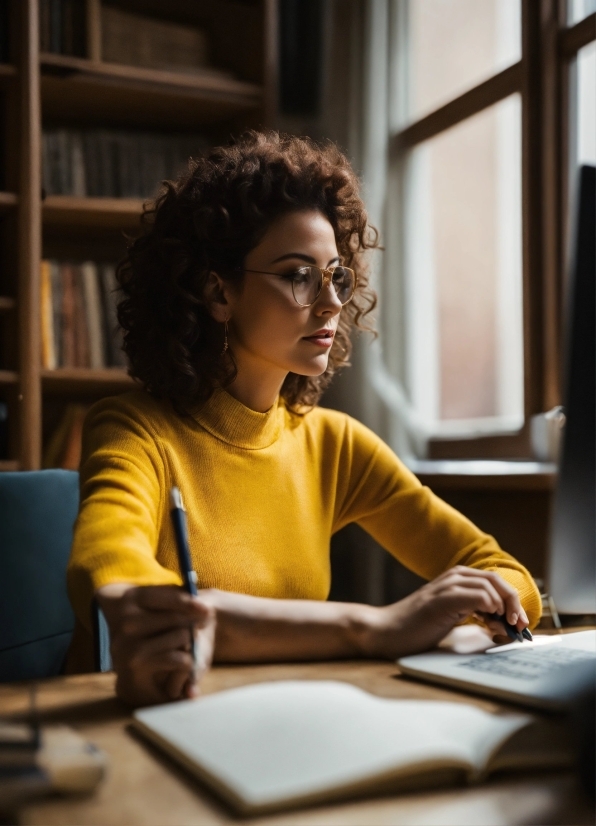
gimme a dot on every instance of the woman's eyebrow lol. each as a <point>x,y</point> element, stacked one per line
<point>302,257</point>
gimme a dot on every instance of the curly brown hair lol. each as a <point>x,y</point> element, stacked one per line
<point>208,220</point>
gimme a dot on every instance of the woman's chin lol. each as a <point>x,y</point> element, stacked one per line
<point>313,367</point>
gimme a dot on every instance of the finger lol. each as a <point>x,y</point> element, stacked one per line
<point>512,608</point>
<point>175,684</point>
<point>177,639</point>
<point>167,598</point>
<point>165,662</point>
<point>495,627</point>
<point>476,582</point>
<point>503,587</point>
<point>150,623</point>
<point>466,601</point>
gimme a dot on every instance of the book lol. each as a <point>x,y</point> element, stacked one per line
<point>62,27</point>
<point>114,163</point>
<point>56,298</point>
<point>68,331</point>
<point>48,356</point>
<point>93,314</point>
<point>80,330</point>
<point>79,325</point>
<point>138,40</point>
<point>279,745</point>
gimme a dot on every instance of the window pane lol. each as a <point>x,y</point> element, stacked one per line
<point>586,105</point>
<point>455,44</point>
<point>578,9</point>
<point>463,274</point>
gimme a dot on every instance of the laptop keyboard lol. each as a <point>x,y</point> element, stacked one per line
<point>526,665</point>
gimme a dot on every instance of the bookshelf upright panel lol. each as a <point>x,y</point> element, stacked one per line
<point>56,80</point>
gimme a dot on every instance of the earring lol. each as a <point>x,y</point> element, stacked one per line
<point>225,346</point>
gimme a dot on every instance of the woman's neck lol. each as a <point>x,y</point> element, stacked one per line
<point>256,390</point>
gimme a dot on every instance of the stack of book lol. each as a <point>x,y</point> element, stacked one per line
<point>79,327</point>
<point>62,27</point>
<point>113,163</point>
<point>136,40</point>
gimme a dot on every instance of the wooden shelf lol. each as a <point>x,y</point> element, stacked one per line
<point>86,381</point>
<point>98,91</point>
<point>488,475</point>
<point>8,377</point>
<point>9,464</point>
<point>106,213</point>
<point>8,200</point>
<point>7,303</point>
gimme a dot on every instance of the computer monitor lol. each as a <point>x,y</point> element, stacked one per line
<point>572,563</point>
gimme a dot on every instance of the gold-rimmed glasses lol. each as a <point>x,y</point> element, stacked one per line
<point>308,281</point>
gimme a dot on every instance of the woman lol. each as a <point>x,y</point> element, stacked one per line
<point>239,298</point>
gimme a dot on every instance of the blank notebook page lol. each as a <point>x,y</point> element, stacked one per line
<point>284,740</point>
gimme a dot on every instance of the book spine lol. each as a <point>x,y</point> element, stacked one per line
<point>79,183</point>
<point>68,310</point>
<point>48,357</point>
<point>93,314</point>
<point>56,280</point>
<point>56,26</point>
<point>67,21</point>
<point>81,332</point>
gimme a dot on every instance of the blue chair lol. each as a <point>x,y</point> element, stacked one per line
<point>37,513</point>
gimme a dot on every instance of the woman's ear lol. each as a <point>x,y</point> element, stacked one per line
<point>218,297</point>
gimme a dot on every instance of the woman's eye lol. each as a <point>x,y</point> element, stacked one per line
<point>300,276</point>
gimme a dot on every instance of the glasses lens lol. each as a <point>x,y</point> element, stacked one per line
<point>307,282</point>
<point>306,285</point>
<point>344,281</point>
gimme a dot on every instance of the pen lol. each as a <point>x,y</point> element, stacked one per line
<point>189,576</point>
<point>511,630</point>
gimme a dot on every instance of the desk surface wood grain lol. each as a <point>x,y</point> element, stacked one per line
<point>143,787</point>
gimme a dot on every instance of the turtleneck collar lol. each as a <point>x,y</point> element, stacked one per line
<point>230,421</point>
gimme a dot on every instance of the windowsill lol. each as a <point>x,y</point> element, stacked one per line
<point>484,474</point>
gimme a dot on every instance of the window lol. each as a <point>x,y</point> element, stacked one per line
<point>497,106</point>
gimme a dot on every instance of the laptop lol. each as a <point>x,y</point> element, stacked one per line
<point>542,673</point>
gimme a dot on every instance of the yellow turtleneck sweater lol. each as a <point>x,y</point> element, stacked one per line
<point>264,493</point>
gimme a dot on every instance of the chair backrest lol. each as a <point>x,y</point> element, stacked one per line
<point>37,514</point>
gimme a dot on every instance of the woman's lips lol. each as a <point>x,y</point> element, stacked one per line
<point>322,338</point>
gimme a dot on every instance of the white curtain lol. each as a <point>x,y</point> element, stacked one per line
<point>361,111</point>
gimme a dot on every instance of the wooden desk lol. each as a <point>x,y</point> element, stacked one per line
<point>142,787</point>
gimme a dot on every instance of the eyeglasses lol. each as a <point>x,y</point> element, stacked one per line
<point>307,283</point>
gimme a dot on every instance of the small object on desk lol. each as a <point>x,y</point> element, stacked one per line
<point>36,761</point>
<point>511,630</point>
<point>189,577</point>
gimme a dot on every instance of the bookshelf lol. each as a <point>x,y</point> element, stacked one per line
<point>43,89</point>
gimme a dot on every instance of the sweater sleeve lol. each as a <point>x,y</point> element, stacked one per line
<point>117,529</point>
<point>424,533</point>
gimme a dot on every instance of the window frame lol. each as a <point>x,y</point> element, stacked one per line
<point>541,77</point>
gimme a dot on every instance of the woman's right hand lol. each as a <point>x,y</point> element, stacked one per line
<point>421,620</point>
<point>150,641</point>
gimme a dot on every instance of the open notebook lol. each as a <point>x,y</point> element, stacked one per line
<point>282,744</point>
